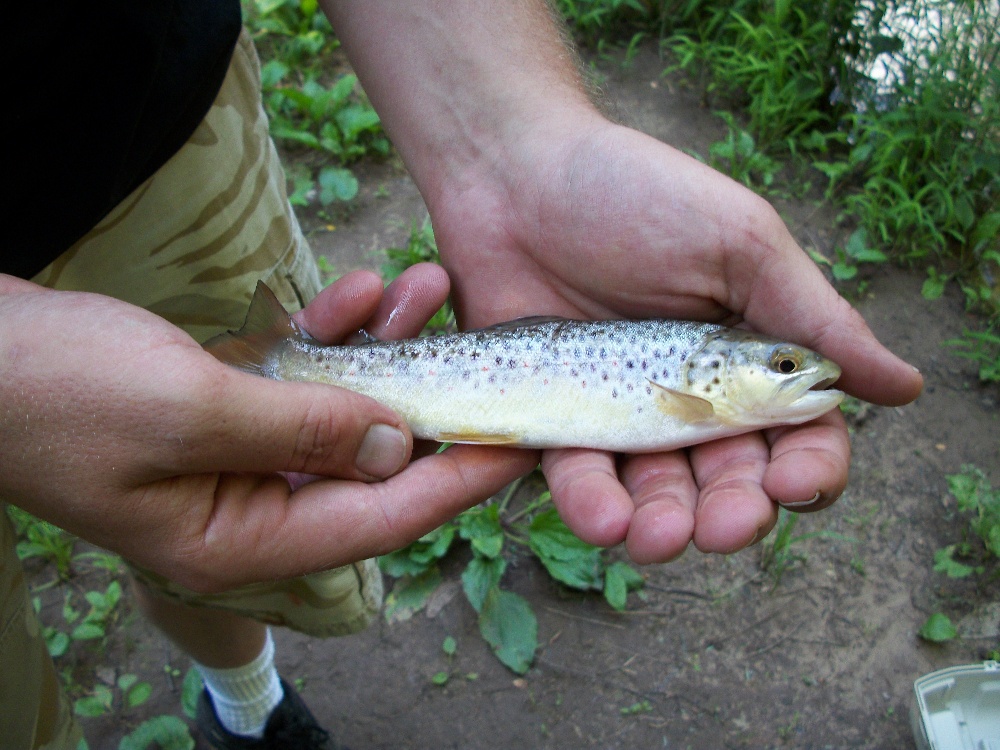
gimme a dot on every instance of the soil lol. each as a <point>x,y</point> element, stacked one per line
<point>714,653</point>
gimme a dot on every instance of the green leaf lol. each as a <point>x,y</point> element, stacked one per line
<point>619,579</point>
<point>944,562</point>
<point>167,732</point>
<point>449,646</point>
<point>566,558</point>
<point>481,526</point>
<point>938,629</point>
<point>410,595</point>
<point>509,626</point>
<point>138,694</point>
<point>355,119</point>
<point>56,641</point>
<point>479,577</point>
<point>441,678</point>
<point>87,631</point>
<point>96,704</point>
<point>844,271</point>
<point>336,184</point>
<point>190,692</point>
<point>933,286</point>
<point>419,556</point>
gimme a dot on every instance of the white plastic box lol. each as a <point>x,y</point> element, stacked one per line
<point>958,708</point>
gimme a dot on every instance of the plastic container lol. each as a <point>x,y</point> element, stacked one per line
<point>958,708</point>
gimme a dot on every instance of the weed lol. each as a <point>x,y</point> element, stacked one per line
<point>781,550</point>
<point>983,348</point>
<point>332,119</point>
<point>979,549</point>
<point>506,620</point>
<point>847,259</point>
<point>737,156</point>
<point>981,503</point>
<point>41,539</point>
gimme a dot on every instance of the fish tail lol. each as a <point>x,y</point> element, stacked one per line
<point>268,325</point>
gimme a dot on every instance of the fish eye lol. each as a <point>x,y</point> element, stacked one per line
<point>785,360</point>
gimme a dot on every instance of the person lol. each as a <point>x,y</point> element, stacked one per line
<point>242,502</point>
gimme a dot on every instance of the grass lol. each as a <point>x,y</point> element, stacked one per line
<point>893,106</point>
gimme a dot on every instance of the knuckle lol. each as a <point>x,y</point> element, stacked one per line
<point>321,439</point>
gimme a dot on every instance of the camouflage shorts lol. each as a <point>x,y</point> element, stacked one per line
<point>190,244</point>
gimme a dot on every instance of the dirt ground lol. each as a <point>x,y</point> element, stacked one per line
<point>713,655</point>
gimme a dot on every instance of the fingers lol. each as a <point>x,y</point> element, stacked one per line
<point>665,497</point>
<point>586,492</point>
<point>809,463</point>
<point>357,300</point>
<point>260,530</point>
<point>733,509</point>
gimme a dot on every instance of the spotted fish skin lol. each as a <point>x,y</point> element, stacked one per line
<point>618,385</point>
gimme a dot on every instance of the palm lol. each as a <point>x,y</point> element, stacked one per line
<point>622,226</point>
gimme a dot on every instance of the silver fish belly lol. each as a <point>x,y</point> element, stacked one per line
<point>618,385</point>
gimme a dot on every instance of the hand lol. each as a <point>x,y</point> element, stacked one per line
<point>118,427</point>
<point>541,206</point>
<point>607,222</point>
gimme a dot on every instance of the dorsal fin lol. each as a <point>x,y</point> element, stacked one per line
<point>267,326</point>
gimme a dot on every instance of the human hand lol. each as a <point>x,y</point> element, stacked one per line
<point>586,219</point>
<point>120,428</point>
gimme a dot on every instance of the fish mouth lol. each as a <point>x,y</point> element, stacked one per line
<point>818,397</point>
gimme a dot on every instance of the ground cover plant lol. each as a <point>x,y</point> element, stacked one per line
<point>915,181</point>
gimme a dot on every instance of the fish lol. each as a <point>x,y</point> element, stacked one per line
<point>629,386</point>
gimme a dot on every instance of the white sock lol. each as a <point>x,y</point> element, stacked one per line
<point>245,696</point>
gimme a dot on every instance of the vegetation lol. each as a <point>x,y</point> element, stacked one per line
<point>496,534</point>
<point>911,159</point>
<point>977,553</point>
<point>313,102</point>
<point>892,105</point>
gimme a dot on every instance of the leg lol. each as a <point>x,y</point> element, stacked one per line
<point>213,637</point>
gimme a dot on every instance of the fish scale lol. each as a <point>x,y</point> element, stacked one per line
<point>620,385</point>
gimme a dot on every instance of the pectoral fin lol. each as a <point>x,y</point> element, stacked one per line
<point>477,438</point>
<point>682,406</point>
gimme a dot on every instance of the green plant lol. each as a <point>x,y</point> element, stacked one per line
<point>506,620</point>
<point>737,156</point>
<point>781,550</point>
<point>331,118</point>
<point>982,347</point>
<point>980,503</point>
<point>979,549</point>
<point>41,539</point>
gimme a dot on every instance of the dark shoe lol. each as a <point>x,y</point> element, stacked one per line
<point>290,727</point>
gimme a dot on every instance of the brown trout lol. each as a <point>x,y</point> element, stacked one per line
<point>632,386</point>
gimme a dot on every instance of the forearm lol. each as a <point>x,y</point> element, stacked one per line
<point>457,82</point>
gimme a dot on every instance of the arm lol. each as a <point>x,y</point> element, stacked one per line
<point>120,428</point>
<point>542,206</point>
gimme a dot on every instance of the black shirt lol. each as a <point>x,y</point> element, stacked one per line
<point>102,94</point>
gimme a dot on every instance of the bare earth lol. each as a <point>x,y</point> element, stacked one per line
<point>713,655</point>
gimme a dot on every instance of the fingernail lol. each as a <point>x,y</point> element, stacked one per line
<point>382,452</point>
<point>804,503</point>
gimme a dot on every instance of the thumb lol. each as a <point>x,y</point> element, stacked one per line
<point>792,298</point>
<point>262,425</point>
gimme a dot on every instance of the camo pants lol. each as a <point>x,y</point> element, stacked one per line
<point>189,244</point>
